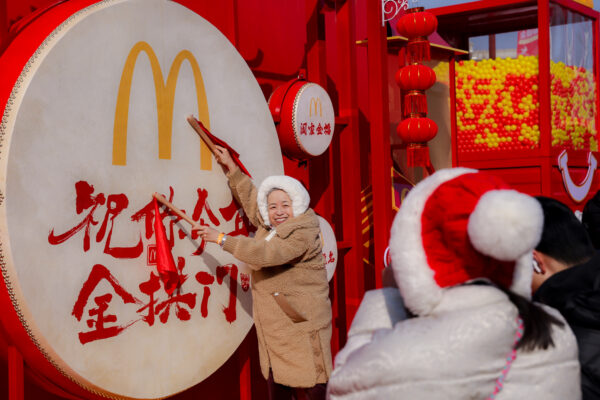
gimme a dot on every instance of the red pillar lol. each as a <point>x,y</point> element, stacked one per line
<point>544,92</point>
<point>245,377</point>
<point>15,374</point>
<point>349,287</point>
<point>380,133</point>
<point>315,44</point>
<point>319,169</point>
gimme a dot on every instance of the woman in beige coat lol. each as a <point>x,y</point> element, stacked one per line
<point>290,292</point>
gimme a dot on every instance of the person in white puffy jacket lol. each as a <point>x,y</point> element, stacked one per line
<point>461,251</point>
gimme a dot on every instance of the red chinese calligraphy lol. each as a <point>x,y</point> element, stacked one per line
<point>189,299</point>
<point>100,331</point>
<point>303,128</point>
<point>105,324</point>
<point>327,129</point>
<point>102,320</point>
<point>319,129</point>
<point>245,282</point>
<point>150,287</point>
<point>147,214</point>
<point>83,201</point>
<point>206,279</point>
<point>115,203</point>
<point>163,308</point>
<point>231,270</point>
<point>330,259</point>
<point>242,225</point>
<point>202,205</point>
<point>311,129</point>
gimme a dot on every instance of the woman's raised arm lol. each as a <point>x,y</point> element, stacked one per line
<point>241,185</point>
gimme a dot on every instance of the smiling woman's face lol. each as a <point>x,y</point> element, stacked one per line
<point>279,206</point>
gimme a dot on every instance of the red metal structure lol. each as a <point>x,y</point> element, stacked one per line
<point>278,40</point>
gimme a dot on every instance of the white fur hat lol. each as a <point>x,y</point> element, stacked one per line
<point>294,189</point>
<point>460,225</point>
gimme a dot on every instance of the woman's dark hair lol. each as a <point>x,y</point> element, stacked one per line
<point>591,219</point>
<point>564,238</point>
<point>537,323</point>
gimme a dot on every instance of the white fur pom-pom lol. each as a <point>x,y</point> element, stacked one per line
<point>506,224</point>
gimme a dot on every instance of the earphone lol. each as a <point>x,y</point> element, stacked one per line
<point>536,267</point>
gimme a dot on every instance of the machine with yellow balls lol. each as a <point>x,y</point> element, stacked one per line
<point>525,103</point>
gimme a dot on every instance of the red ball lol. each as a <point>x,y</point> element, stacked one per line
<point>417,130</point>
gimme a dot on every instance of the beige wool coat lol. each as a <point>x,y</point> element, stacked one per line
<point>293,340</point>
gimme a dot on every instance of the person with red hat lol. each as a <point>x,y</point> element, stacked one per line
<point>461,254</point>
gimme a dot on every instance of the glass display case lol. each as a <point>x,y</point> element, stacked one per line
<point>528,91</point>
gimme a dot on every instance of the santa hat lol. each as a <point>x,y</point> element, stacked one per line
<point>461,225</point>
<point>298,194</point>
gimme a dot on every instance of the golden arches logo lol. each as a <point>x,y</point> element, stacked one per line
<point>318,106</point>
<point>165,95</point>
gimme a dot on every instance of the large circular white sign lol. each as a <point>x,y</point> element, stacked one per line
<point>96,126</point>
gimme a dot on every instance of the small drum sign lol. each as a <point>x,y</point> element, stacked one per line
<point>94,123</point>
<point>329,243</point>
<point>305,117</point>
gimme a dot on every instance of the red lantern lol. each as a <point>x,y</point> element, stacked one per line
<point>417,23</point>
<point>417,130</point>
<point>415,77</point>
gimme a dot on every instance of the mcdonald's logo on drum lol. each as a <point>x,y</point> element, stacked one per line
<point>165,95</point>
<point>317,106</point>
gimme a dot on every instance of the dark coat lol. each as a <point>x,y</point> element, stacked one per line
<point>575,292</point>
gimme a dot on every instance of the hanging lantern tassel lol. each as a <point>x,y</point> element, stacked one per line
<point>415,102</point>
<point>417,155</point>
<point>418,50</point>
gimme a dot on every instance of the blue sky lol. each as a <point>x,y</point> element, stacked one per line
<point>441,3</point>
